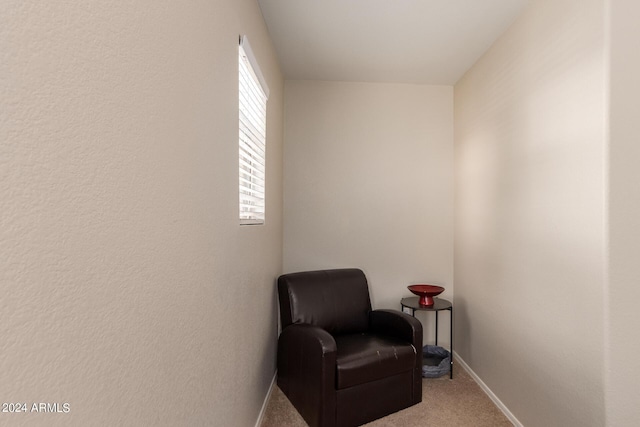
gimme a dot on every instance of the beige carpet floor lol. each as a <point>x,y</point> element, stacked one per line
<point>459,402</point>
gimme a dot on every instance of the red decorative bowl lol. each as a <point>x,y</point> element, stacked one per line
<point>426,293</point>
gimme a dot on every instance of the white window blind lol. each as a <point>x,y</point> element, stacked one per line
<point>253,95</point>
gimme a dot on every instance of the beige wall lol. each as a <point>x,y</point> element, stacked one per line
<point>623,345</point>
<point>530,215</point>
<point>369,183</point>
<point>127,288</point>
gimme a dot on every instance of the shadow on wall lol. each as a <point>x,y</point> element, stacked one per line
<point>461,323</point>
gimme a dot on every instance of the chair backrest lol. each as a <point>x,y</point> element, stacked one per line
<point>335,300</point>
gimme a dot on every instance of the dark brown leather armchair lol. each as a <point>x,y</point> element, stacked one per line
<point>339,362</point>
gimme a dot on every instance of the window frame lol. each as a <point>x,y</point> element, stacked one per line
<point>253,94</point>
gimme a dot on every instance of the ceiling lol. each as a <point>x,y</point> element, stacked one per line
<point>406,41</point>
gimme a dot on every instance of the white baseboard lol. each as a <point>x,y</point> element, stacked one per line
<point>266,400</point>
<point>488,392</point>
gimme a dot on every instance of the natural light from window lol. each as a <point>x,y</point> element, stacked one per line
<point>253,94</point>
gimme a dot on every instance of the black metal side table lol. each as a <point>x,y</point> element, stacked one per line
<point>438,305</point>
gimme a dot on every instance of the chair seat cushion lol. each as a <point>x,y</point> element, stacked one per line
<point>365,357</point>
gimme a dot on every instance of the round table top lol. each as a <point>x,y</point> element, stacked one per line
<point>438,304</point>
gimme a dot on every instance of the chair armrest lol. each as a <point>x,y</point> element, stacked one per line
<point>396,324</point>
<point>402,326</point>
<point>312,338</point>
<point>307,371</point>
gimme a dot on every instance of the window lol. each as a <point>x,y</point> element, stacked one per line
<point>253,94</point>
